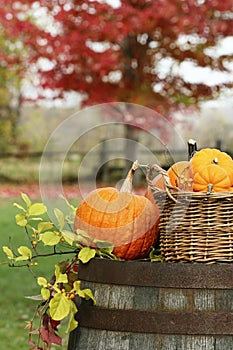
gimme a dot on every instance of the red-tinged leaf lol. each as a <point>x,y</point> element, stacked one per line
<point>54,324</point>
<point>75,268</point>
<point>30,342</point>
<point>45,320</point>
<point>49,336</point>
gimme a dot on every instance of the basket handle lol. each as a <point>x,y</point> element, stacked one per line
<point>168,186</point>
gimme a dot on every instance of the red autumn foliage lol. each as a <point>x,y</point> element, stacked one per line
<point>114,53</point>
<point>48,331</point>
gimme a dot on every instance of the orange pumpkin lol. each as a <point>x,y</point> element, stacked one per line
<point>207,156</point>
<point>181,175</point>
<point>212,178</point>
<point>128,221</point>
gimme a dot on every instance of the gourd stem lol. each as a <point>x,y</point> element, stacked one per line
<point>128,182</point>
<point>192,148</point>
<point>210,187</point>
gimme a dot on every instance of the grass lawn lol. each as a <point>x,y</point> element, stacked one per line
<point>16,283</point>
<point>28,169</point>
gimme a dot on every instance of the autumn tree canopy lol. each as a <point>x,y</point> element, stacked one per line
<point>130,51</point>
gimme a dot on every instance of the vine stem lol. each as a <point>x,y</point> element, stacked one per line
<point>44,256</point>
<point>32,272</point>
<point>28,235</point>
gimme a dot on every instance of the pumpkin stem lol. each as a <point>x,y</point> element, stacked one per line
<point>215,160</point>
<point>128,182</point>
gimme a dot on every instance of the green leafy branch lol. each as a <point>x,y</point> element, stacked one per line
<point>39,232</point>
<point>57,295</point>
<point>57,302</point>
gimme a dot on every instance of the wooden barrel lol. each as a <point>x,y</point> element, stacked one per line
<point>153,305</point>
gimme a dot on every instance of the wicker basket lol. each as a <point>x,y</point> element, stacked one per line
<point>195,226</point>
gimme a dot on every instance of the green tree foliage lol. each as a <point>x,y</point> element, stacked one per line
<point>9,93</point>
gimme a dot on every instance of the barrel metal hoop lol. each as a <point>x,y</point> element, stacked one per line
<point>158,274</point>
<point>139,321</point>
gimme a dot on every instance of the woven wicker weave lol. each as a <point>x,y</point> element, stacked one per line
<point>195,226</point>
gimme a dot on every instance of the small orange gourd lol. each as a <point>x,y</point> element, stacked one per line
<point>181,175</point>
<point>207,156</point>
<point>128,221</point>
<point>212,178</point>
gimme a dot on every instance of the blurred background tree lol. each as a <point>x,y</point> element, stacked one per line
<point>129,50</point>
<point>151,53</point>
<point>10,96</point>
<point>15,28</point>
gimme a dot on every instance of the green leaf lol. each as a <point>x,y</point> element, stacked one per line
<point>45,293</point>
<point>87,294</point>
<point>106,253</point>
<point>8,252</point>
<point>25,251</point>
<point>60,277</point>
<point>19,207</point>
<point>82,237</point>
<point>69,236</point>
<point>104,245</point>
<point>70,206</point>
<point>83,233</point>
<point>84,293</point>
<point>26,200</point>
<point>155,255</point>
<point>67,203</point>
<point>60,218</point>
<point>77,286</point>
<point>60,306</point>
<point>42,282</point>
<point>72,324</point>
<point>49,238</point>
<point>45,225</point>
<point>22,258</point>
<point>21,220</point>
<point>86,254</point>
<point>37,209</point>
